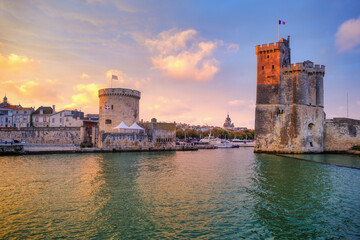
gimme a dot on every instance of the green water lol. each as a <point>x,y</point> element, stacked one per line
<point>206,194</point>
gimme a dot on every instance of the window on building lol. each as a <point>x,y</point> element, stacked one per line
<point>273,67</point>
<point>53,120</point>
<point>107,121</point>
<point>60,119</point>
<point>262,68</point>
<point>24,112</point>
<point>112,107</point>
<point>267,56</point>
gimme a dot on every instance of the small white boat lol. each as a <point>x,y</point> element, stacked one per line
<point>221,143</point>
<point>243,143</point>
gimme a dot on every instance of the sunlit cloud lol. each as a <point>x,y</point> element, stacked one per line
<point>163,107</point>
<point>181,56</point>
<point>252,106</point>
<point>207,119</point>
<point>84,75</point>
<point>120,75</point>
<point>236,102</point>
<point>15,63</point>
<point>232,47</point>
<point>348,35</point>
<point>71,15</point>
<point>85,97</point>
<point>34,90</point>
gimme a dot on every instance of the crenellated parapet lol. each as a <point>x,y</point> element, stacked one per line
<point>119,91</point>
<point>271,47</point>
<point>304,67</point>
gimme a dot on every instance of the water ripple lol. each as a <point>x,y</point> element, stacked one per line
<point>217,194</point>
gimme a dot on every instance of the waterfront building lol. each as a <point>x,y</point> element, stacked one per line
<point>120,107</point>
<point>228,125</point>
<point>92,117</point>
<point>14,115</point>
<point>41,117</point>
<point>289,114</point>
<point>67,118</point>
<point>117,105</point>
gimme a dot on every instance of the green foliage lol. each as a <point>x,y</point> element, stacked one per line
<point>216,133</point>
<point>180,133</point>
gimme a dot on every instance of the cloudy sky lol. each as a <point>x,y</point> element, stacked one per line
<point>193,61</point>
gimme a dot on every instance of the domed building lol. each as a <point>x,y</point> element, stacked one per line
<point>228,125</point>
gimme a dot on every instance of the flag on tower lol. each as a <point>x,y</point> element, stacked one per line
<point>281,22</point>
<point>114,77</point>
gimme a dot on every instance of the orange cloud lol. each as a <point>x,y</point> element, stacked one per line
<point>15,63</point>
<point>33,90</point>
<point>348,35</point>
<point>84,75</point>
<point>85,97</point>
<point>181,56</point>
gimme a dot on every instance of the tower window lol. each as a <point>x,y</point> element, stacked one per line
<point>272,66</point>
<point>112,107</point>
<point>262,68</point>
<point>107,121</point>
<point>267,56</point>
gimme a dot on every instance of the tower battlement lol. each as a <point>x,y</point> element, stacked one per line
<point>306,66</point>
<point>272,47</point>
<point>119,91</point>
<point>289,112</point>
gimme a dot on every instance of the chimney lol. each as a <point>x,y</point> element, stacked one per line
<point>53,108</point>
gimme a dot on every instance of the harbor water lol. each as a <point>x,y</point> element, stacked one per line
<point>205,194</point>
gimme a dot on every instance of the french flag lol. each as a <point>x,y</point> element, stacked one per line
<point>281,22</point>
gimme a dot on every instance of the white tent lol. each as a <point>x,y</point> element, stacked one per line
<point>122,125</point>
<point>136,127</point>
<point>123,128</point>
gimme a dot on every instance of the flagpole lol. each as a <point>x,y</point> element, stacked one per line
<point>278,23</point>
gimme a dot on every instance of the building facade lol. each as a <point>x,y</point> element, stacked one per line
<point>14,115</point>
<point>228,125</point>
<point>41,117</point>
<point>289,115</point>
<point>67,118</point>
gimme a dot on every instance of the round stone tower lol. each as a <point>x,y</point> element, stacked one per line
<point>117,105</point>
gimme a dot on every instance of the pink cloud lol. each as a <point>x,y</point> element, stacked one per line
<point>348,35</point>
<point>179,55</point>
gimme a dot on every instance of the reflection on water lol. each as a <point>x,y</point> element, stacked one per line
<point>224,193</point>
<point>351,161</point>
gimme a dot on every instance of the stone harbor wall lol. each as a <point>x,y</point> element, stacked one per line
<point>341,134</point>
<point>157,136</point>
<point>161,135</point>
<point>125,141</point>
<point>45,135</point>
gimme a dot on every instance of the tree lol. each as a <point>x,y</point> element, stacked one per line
<point>179,133</point>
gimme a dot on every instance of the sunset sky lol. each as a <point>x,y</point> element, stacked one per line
<point>193,61</point>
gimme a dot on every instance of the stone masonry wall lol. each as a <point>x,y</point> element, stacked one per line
<point>44,135</point>
<point>125,141</point>
<point>341,134</point>
<point>293,128</point>
<point>122,105</point>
